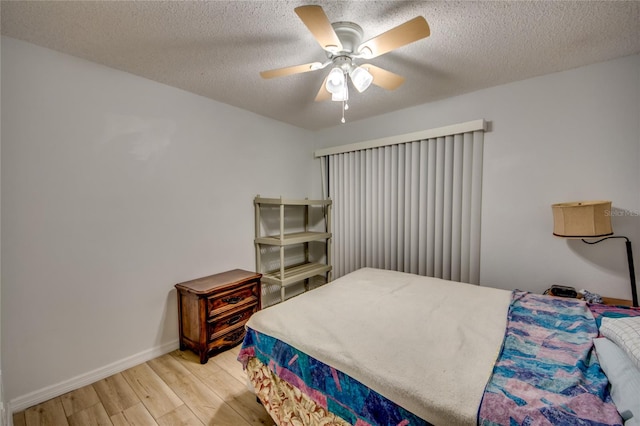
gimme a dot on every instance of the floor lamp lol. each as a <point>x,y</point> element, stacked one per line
<point>590,219</point>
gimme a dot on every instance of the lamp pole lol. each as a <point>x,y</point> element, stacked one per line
<point>632,272</point>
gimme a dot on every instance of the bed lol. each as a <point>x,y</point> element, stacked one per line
<point>378,347</point>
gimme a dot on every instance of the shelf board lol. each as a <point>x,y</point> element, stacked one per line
<point>291,202</point>
<point>295,274</point>
<point>293,238</point>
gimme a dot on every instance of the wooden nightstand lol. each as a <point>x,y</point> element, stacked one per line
<point>213,310</point>
<point>616,302</point>
<point>613,302</point>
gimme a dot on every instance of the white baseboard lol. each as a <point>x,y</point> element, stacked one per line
<point>33,398</point>
<point>3,412</point>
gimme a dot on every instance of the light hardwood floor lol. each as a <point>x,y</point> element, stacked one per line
<point>171,390</point>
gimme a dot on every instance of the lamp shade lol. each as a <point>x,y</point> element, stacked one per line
<point>336,81</point>
<point>361,79</point>
<point>582,219</point>
<point>342,96</point>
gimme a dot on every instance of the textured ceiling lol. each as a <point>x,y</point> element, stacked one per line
<point>217,48</point>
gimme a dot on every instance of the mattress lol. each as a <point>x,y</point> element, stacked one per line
<point>365,325</point>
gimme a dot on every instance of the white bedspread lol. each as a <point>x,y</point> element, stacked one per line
<point>427,344</point>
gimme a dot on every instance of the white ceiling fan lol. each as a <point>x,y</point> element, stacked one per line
<point>343,44</point>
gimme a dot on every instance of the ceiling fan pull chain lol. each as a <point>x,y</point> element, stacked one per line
<point>345,96</point>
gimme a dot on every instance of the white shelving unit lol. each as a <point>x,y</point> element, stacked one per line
<point>287,274</point>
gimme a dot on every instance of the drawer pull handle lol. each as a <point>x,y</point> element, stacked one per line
<point>232,300</point>
<point>233,336</point>
<point>234,319</point>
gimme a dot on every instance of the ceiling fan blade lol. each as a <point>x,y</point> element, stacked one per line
<point>323,93</point>
<point>383,78</point>
<point>316,20</point>
<point>403,34</point>
<point>296,69</point>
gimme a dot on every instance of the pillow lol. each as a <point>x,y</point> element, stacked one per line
<point>624,379</point>
<point>624,332</point>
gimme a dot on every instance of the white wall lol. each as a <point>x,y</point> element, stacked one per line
<point>114,188</point>
<point>567,136</point>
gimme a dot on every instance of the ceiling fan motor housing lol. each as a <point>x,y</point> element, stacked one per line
<point>344,62</point>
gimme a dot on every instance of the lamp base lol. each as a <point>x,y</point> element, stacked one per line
<point>632,271</point>
<point>632,274</point>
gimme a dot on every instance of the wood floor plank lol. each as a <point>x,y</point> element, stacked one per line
<point>169,369</point>
<point>192,363</point>
<point>236,350</point>
<point>181,416</point>
<point>226,384</point>
<point>49,413</point>
<point>95,415</point>
<point>115,394</point>
<point>136,415</point>
<point>79,399</point>
<point>228,361</point>
<point>239,397</point>
<point>154,393</point>
<point>200,399</point>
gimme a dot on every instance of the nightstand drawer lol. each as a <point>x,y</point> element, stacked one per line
<point>228,338</point>
<point>223,302</point>
<point>230,319</point>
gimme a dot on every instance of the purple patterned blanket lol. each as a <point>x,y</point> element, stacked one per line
<point>547,372</point>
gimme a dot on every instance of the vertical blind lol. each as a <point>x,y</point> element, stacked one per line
<point>409,206</point>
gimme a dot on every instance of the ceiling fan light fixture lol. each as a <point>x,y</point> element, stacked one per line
<point>341,96</point>
<point>342,43</point>
<point>361,78</point>
<point>336,82</point>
